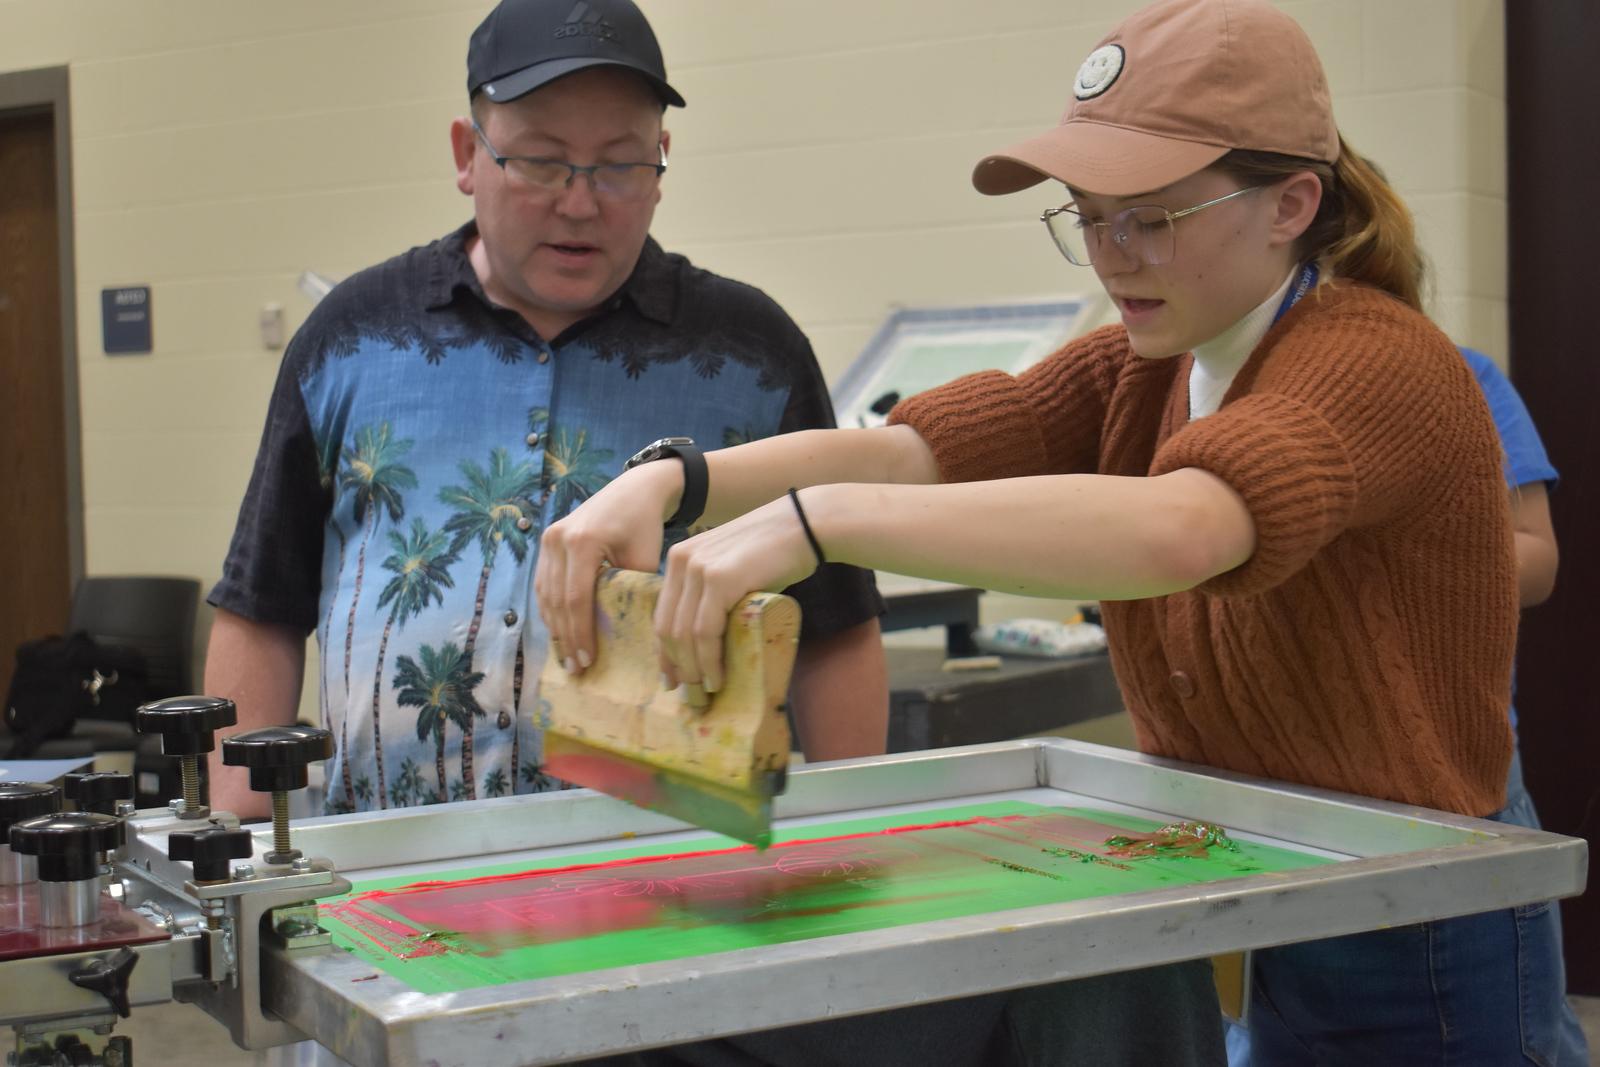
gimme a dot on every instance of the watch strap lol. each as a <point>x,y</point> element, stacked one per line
<point>696,483</point>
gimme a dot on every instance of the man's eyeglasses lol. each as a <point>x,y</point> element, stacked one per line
<point>1140,233</point>
<point>610,181</point>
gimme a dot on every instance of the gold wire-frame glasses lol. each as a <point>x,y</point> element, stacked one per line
<point>1142,232</point>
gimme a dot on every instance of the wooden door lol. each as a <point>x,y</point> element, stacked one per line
<point>35,583</point>
<point>1553,149</point>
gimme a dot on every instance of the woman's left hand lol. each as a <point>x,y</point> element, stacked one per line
<point>763,550</point>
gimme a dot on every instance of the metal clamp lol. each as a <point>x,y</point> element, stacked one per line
<point>297,928</point>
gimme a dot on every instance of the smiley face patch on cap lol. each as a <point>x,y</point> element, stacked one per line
<point>1098,71</point>
<point>1171,90</point>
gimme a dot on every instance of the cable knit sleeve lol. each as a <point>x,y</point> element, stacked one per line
<point>1360,415</point>
<point>1292,471</point>
<point>1046,420</point>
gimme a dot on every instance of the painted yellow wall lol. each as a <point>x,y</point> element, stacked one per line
<point>222,148</point>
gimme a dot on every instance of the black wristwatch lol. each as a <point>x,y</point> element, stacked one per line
<point>695,480</point>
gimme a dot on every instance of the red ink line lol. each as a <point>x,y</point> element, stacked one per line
<point>492,914</point>
<point>362,923</point>
<point>580,868</point>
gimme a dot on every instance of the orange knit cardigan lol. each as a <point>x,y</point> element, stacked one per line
<point>1366,645</point>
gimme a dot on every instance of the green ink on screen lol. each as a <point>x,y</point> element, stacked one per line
<point>488,925</point>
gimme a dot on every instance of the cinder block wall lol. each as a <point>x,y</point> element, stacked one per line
<point>827,146</point>
<point>220,149</point>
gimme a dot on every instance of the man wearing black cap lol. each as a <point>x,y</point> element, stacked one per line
<point>438,410</point>
<point>554,86</point>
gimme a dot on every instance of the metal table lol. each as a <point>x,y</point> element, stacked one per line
<point>915,603</point>
<point>933,708</point>
<point>1396,865</point>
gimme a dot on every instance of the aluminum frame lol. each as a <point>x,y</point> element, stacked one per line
<point>1402,865</point>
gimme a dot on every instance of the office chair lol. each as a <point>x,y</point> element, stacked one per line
<point>155,615</point>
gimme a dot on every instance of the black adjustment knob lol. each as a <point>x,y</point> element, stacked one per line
<point>21,801</point>
<point>277,755</point>
<point>277,758</point>
<point>187,725</point>
<point>210,850</point>
<point>108,976</point>
<point>885,403</point>
<point>99,791</point>
<point>67,843</point>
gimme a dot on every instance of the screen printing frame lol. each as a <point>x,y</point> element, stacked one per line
<point>1398,865</point>
<point>1035,327</point>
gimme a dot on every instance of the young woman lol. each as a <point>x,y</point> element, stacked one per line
<point>1277,474</point>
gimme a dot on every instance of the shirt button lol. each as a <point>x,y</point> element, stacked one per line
<point>532,439</point>
<point>544,496</point>
<point>511,618</point>
<point>524,523</point>
<point>544,355</point>
<point>1182,684</point>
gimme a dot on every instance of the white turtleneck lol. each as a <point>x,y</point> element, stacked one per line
<point>1218,360</point>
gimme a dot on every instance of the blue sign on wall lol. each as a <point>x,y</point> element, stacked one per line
<point>125,319</point>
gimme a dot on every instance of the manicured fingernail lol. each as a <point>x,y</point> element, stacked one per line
<point>585,659</point>
<point>568,664</point>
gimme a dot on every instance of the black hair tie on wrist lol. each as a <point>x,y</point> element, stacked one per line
<point>806,526</point>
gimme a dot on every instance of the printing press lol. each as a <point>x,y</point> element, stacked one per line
<point>105,910</point>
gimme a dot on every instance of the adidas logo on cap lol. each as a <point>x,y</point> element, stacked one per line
<point>585,21</point>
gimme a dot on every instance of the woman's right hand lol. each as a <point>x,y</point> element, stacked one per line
<point>621,525</point>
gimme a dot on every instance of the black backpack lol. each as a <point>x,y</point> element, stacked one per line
<point>61,679</point>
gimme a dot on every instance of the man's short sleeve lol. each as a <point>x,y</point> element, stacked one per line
<point>273,571</point>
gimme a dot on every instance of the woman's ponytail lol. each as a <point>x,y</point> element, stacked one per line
<point>1362,230</point>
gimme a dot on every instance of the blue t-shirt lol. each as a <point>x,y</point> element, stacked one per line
<point>1526,461</point>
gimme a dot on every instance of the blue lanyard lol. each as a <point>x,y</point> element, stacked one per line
<point>1302,286</point>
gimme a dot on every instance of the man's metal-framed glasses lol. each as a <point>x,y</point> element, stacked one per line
<point>610,181</point>
<point>1142,233</point>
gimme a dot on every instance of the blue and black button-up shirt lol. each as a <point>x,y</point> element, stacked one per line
<point>418,440</point>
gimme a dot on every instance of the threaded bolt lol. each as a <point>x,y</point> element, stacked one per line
<point>190,767</point>
<point>280,824</point>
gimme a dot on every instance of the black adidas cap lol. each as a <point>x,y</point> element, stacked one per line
<point>525,44</point>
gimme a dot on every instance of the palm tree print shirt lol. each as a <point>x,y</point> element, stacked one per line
<point>418,440</point>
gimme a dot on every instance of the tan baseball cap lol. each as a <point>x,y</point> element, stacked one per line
<point>1169,92</point>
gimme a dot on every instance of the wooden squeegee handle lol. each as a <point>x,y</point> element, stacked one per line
<point>770,621</point>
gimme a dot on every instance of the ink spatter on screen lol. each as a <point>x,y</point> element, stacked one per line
<point>1087,857</point>
<point>1023,869</point>
<point>1194,839</point>
<point>642,905</point>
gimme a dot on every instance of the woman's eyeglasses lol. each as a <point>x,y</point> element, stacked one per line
<point>1143,233</point>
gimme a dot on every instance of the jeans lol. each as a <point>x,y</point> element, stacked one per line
<point>1481,989</point>
<point>1165,1016</point>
